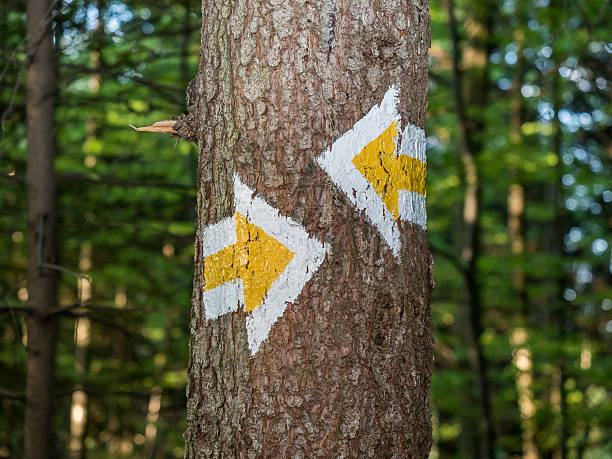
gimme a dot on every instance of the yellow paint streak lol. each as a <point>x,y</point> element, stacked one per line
<point>256,258</point>
<point>388,172</point>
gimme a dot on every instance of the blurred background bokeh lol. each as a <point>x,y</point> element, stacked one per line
<point>520,224</point>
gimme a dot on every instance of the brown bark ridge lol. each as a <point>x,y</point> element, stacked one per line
<point>40,183</point>
<point>345,371</point>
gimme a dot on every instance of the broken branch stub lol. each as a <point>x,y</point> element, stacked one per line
<point>179,126</point>
<point>165,126</point>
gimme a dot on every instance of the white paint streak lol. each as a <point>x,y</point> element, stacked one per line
<point>309,254</point>
<point>219,235</point>
<point>337,161</point>
<point>412,207</point>
<point>223,299</point>
<point>413,143</point>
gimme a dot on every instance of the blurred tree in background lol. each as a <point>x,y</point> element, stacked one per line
<point>520,223</point>
<point>125,212</point>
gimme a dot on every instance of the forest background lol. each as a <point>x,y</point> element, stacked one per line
<point>520,225</point>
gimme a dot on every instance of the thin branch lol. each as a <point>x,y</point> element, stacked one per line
<point>452,257</point>
<point>12,395</point>
<point>109,324</point>
<point>106,71</point>
<point>10,310</point>
<point>115,181</point>
<point>47,18</point>
<point>62,269</point>
<point>584,18</point>
<point>18,178</point>
<point>104,180</point>
<point>9,108</point>
<point>601,12</point>
<point>103,393</point>
<point>93,392</point>
<point>106,308</point>
<point>8,7</point>
<point>25,310</point>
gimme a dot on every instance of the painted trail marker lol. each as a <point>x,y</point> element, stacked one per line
<point>380,173</point>
<point>259,259</point>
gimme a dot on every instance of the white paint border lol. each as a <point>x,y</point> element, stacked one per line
<point>219,235</point>
<point>225,297</point>
<point>337,161</point>
<point>309,254</point>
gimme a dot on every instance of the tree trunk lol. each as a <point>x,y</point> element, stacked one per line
<point>330,352</point>
<point>519,338</point>
<point>79,408</point>
<point>40,182</point>
<point>80,400</point>
<point>560,227</point>
<point>469,148</point>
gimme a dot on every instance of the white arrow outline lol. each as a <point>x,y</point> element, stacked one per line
<point>309,254</point>
<point>337,161</point>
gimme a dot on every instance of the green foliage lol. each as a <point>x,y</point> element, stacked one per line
<point>547,66</point>
<point>537,93</point>
<point>130,199</point>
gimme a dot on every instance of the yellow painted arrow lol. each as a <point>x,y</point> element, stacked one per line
<point>388,172</point>
<point>256,258</point>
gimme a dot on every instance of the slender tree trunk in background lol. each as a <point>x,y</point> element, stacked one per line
<point>558,250</point>
<point>40,182</point>
<point>344,370</point>
<point>516,192</point>
<point>79,407</point>
<point>522,358</point>
<point>82,339</point>
<point>468,148</point>
<point>155,399</point>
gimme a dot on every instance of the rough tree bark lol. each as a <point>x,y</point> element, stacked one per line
<point>40,182</point>
<point>345,370</point>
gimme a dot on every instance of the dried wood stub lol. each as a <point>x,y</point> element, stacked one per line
<point>185,125</point>
<point>180,126</point>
